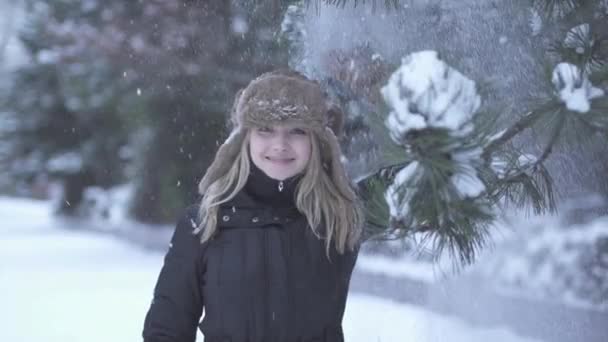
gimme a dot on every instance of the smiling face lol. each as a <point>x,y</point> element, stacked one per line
<point>280,151</point>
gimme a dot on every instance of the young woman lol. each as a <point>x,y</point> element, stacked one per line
<point>269,251</point>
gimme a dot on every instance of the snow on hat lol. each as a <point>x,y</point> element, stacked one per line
<point>275,97</point>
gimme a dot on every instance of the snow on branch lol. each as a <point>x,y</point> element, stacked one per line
<point>425,92</point>
<point>574,88</point>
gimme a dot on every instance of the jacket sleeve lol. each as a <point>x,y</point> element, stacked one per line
<point>177,305</point>
<point>346,271</point>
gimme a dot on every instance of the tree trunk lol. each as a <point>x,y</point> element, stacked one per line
<point>73,190</point>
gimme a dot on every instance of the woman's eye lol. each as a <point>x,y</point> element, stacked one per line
<point>298,131</point>
<point>265,130</point>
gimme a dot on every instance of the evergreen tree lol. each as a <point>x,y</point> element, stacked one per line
<point>196,55</point>
<point>62,104</point>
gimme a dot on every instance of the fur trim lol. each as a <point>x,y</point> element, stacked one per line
<point>224,158</point>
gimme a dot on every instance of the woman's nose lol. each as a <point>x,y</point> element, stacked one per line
<point>280,143</point>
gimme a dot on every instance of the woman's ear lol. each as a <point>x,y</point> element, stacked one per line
<point>335,119</point>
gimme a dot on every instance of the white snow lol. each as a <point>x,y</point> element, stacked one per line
<point>65,162</point>
<point>137,43</point>
<point>12,53</point>
<point>465,179</point>
<point>399,267</point>
<point>294,31</point>
<point>536,22</point>
<point>544,259</point>
<point>108,207</point>
<point>89,5</point>
<point>47,57</point>
<point>425,92</point>
<point>396,196</point>
<point>526,159</point>
<point>500,164</point>
<point>369,319</point>
<point>574,87</point>
<point>239,25</point>
<point>64,284</point>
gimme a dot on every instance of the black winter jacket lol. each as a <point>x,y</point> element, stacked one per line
<point>265,277</point>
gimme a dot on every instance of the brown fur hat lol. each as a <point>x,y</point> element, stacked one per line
<point>285,95</point>
<point>280,96</point>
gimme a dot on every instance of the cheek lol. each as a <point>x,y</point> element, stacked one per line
<point>255,151</point>
<point>304,150</point>
<point>255,146</point>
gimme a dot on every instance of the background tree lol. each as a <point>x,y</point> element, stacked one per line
<point>205,51</point>
<point>63,104</point>
<point>138,84</point>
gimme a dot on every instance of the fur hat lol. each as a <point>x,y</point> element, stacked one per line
<point>276,97</point>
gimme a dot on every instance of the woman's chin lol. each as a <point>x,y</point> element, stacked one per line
<point>279,172</point>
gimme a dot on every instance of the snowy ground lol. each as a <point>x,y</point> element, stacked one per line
<point>61,284</point>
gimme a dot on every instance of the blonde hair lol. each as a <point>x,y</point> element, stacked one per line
<point>324,196</point>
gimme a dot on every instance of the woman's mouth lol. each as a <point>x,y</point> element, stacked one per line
<point>280,160</point>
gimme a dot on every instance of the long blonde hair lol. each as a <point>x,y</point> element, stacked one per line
<point>324,196</point>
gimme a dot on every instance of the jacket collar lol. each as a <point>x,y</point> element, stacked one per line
<point>270,191</point>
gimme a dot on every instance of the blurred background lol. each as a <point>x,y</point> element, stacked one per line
<point>111,111</point>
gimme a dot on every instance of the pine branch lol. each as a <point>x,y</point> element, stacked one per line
<point>379,226</point>
<point>388,4</point>
<point>595,121</point>
<point>600,75</point>
<point>535,189</point>
<point>526,121</point>
<point>546,152</point>
<point>554,137</point>
<point>585,45</point>
<point>556,8</point>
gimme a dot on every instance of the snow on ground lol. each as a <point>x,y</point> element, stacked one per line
<point>59,284</point>
<point>400,267</point>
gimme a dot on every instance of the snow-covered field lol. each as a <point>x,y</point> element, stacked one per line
<point>61,284</point>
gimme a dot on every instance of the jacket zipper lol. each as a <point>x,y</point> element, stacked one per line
<point>280,186</point>
<point>266,285</point>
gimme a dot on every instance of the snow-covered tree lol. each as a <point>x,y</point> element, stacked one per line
<point>452,163</point>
